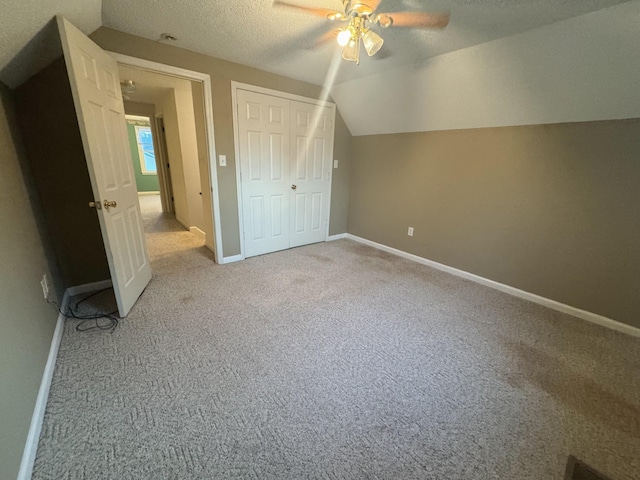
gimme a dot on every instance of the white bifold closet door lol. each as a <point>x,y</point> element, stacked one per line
<point>286,150</point>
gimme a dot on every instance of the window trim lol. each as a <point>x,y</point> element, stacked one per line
<point>143,166</point>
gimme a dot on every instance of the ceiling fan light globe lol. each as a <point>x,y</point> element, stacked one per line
<point>351,51</point>
<point>372,42</point>
<point>343,37</point>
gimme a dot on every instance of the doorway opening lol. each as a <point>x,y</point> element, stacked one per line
<point>155,195</point>
<point>167,131</point>
<point>178,103</point>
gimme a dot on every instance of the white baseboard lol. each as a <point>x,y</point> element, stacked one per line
<point>532,297</point>
<point>142,194</point>
<point>233,258</point>
<point>198,232</point>
<point>184,225</point>
<point>88,288</point>
<point>339,236</point>
<point>31,445</point>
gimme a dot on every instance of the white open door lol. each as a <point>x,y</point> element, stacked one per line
<point>93,75</point>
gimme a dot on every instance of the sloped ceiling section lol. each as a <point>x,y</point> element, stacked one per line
<point>582,69</point>
<point>28,38</point>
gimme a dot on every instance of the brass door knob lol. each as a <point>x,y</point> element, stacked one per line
<point>293,187</point>
<point>108,204</point>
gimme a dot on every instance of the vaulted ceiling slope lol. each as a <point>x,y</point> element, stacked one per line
<point>277,40</point>
<point>25,33</point>
<point>581,69</point>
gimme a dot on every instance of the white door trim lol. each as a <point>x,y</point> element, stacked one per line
<point>276,93</point>
<point>208,110</point>
<point>167,187</point>
<point>235,86</point>
<point>236,156</point>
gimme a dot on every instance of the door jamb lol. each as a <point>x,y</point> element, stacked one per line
<point>208,110</point>
<point>235,86</point>
<point>161,140</point>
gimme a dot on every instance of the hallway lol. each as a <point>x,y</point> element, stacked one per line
<point>167,240</point>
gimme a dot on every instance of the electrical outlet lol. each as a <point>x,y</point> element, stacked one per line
<point>410,232</point>
<point>45,286</point>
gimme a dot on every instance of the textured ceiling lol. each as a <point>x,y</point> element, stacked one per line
<point>25,43</point>
<point>254,33</point>
<point>281,40</point>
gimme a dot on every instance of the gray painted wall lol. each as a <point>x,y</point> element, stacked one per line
<point>27,321</point>
<point>552,210</point>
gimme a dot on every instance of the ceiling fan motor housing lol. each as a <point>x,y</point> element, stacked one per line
<point>357,9</point>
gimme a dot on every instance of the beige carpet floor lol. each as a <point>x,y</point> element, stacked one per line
<point>335,361</point>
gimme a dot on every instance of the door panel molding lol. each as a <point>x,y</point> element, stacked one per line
<point>312,170</point>
<point>93,78</point>
<point>276,93</point>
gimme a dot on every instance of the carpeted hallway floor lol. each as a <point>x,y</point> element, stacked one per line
<point>335,361</point>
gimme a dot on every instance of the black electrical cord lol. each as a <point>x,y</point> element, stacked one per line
<point>86,324</point>
<point>110,325</point>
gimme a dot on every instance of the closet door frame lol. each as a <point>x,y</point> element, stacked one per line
<point>235,86</point>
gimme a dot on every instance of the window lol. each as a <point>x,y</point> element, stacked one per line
<point>145,149</point>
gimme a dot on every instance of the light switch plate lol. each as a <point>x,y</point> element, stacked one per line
<point>335,164</point>
<point>223,160</point>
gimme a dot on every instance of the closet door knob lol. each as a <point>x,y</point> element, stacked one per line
<point>293,187</point>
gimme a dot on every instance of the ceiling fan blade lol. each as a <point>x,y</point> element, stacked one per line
<point>319,12</point>
<point>419,19</point>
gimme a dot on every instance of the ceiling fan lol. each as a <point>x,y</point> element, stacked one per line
<point>361,16</point>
